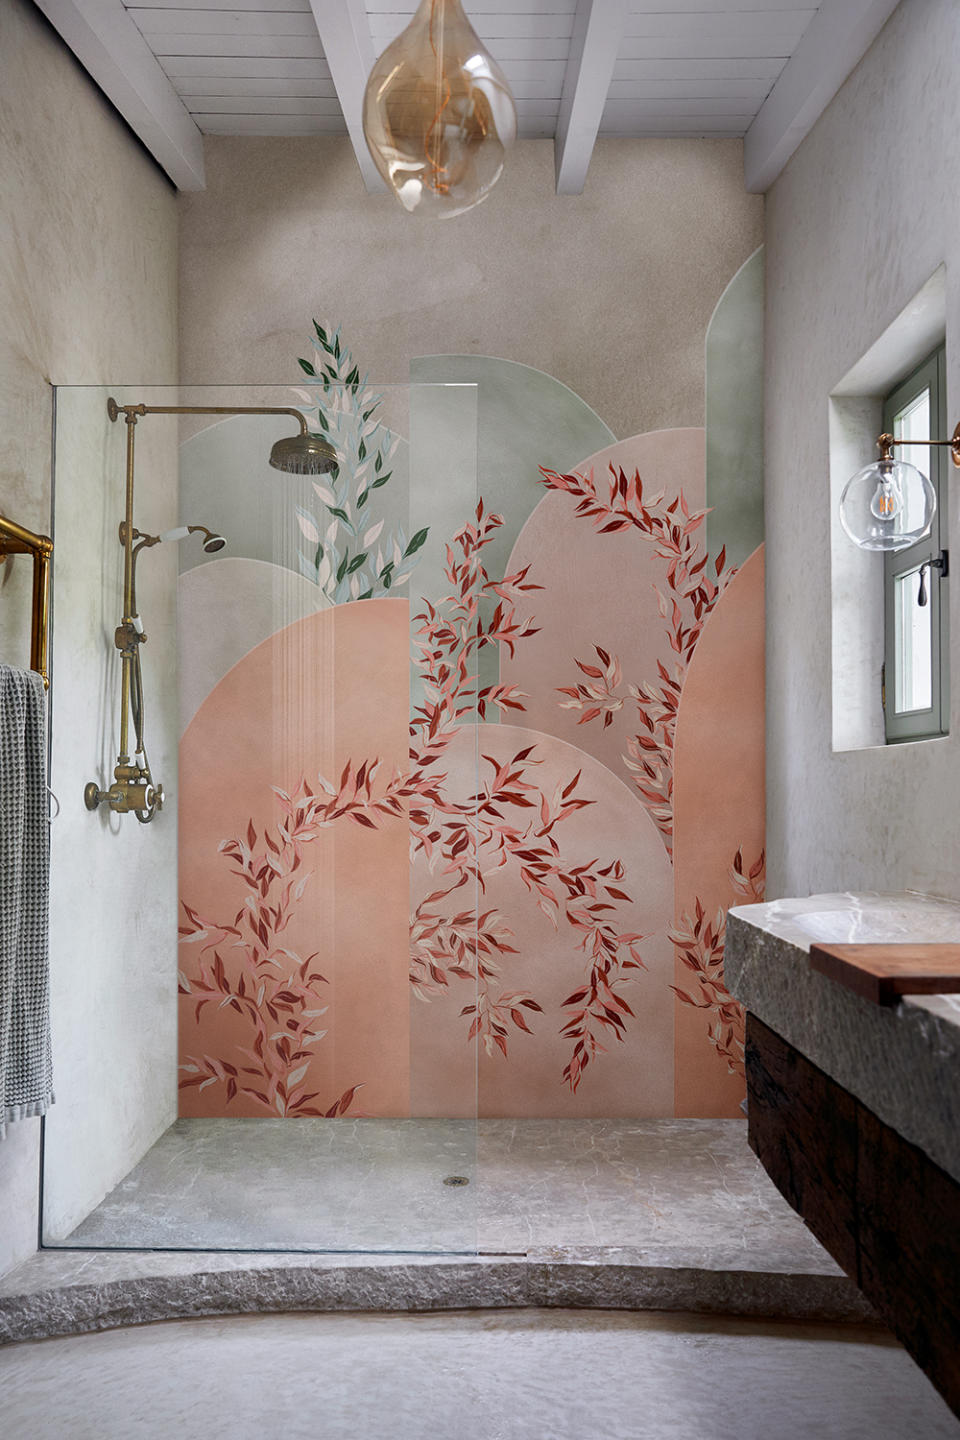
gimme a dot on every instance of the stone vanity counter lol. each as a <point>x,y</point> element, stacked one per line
<point>853,1107</point>
<point>902,1061</point>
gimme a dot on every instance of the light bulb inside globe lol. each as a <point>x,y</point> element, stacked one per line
<point>886,503</point>
<point>438,114</point>
<point>889,505</point>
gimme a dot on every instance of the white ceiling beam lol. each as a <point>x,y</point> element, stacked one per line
<point>345,36</point>
<point>598,28</point>
<point>110,47</point>
<point>833,43</point>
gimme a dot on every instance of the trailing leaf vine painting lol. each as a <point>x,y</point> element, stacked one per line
<point>504,829</point>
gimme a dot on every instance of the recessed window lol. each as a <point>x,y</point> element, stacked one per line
<point>916,679</point>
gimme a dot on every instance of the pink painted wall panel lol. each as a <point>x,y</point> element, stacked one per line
<point>719,817</point>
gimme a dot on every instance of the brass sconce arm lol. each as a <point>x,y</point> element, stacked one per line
<point>886,442</point>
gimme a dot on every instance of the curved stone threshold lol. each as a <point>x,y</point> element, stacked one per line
<point>62,1292</point>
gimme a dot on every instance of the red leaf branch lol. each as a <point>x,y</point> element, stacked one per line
<point>511,821</point>
<point>692,592</point>
<point>700,946</point>
<point>276,991</point>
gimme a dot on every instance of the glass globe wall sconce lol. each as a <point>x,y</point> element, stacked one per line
<point>438,114</point>
<point>890,504</point>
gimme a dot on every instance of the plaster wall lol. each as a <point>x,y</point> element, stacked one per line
<point>862,216</point>
<point>610,292</point>
<point>87,294</point>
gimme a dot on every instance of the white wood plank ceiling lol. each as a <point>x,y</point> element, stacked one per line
<point>578,68</point>
<point>702,67</point>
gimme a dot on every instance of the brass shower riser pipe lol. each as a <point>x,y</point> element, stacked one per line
<point>301,454</point>
<point>131,414</point>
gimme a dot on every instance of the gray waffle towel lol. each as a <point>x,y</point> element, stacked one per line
<point>25,1070</point>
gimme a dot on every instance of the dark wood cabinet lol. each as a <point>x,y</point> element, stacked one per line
<point>886,1213</point>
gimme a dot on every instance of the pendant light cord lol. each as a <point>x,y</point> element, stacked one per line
<point>441,187</point>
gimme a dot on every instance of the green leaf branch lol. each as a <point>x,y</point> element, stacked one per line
<point>349,553</point>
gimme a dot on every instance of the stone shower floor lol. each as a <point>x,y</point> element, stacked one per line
<point>656,1187</point>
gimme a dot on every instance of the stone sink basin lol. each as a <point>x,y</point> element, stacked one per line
<point>853,927</point>
<point>863,919</point>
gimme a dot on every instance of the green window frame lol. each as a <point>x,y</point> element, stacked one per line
<point>916,688</point>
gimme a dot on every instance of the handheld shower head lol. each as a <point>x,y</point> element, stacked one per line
<point>211,542</point>
<point>304,454</point>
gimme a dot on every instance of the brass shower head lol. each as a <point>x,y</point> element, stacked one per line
<point>304,454</point>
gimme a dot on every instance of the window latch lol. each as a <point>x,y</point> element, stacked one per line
<point>942,563</point>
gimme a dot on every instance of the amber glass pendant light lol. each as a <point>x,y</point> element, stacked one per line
<point>438,114</point>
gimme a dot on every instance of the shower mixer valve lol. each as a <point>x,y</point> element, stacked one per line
<point>133,790</point>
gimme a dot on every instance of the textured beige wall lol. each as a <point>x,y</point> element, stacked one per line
<point>610,291</point>
<point>864,213</point>
<point>87,294</point>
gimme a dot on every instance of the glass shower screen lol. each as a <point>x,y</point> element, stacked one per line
<point>263,1039</point>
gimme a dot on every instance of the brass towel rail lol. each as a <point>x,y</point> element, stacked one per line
<point>18,540</point>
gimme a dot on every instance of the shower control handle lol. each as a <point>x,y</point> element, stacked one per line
<point>136,795</point>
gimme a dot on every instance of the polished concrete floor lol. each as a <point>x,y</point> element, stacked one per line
<point>522,1375</point>
<point>370,1185</point>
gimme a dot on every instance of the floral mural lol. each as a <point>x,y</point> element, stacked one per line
<point>509,850</point>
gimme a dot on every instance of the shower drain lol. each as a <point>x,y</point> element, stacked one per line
<point>456,1180</point>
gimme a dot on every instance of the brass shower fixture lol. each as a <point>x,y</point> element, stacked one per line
<point>302,454</point>
<point>134,788</point>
